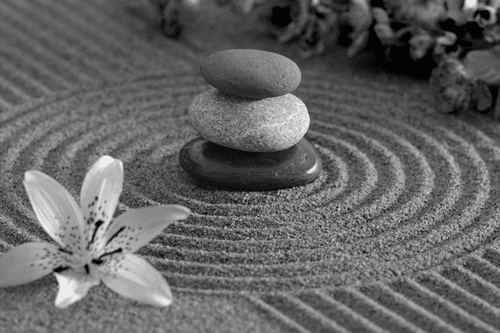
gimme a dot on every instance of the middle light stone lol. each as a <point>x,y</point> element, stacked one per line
<point>255,125</point>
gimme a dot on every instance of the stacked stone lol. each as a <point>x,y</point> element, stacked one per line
<point>252,128</point>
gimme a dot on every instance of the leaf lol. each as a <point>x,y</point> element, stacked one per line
<point>483,96</point>
<point>485,64</point>
<point>358,44</point>
<point>497,107</point>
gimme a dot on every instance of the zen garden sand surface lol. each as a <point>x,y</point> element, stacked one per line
<point>398,232</point>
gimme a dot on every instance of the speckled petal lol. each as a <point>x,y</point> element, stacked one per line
<point>29,262</point>
<point>99,196</point>
<point>133,277</point>
<point>135,228</point>
<point>73,287</point>
<point>56,210</point>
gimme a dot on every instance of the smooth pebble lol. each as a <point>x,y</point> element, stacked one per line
<point>264,125</point>
<point>212,164</point>
<point>251,73</point>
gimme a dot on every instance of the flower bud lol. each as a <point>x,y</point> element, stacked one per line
<point>452,85</point>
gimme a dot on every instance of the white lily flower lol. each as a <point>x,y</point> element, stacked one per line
<point>91,247</point>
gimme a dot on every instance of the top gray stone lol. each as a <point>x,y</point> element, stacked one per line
<point>251,73</point>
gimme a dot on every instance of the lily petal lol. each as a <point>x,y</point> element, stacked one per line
<point>56,210</point>
<point>135,278</point>
<point>136,227</point>
<point>99,196</point>
<point>29,262</point>
<point>73,286</point>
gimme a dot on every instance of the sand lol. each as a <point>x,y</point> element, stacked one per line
<point>399,233</point>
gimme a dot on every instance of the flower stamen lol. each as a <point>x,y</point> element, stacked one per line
<point>60,269</point>
<point>99,260</point>
<point>115,235</point>
<point>98,224</point>
<point>66,251</point>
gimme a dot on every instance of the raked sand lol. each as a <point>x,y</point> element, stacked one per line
<point>399,233</point>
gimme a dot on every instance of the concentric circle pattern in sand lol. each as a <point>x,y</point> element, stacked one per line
<point>403,189</point>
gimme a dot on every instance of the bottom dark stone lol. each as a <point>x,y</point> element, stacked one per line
<point>212,164</point>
